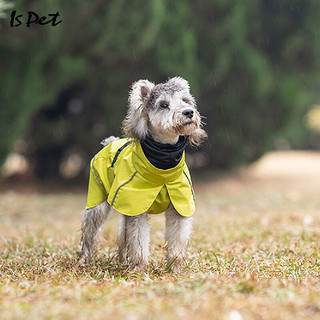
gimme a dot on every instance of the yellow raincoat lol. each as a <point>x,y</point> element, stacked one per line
<point>121,174</point>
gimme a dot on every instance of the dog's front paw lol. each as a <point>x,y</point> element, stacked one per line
<point>174,264</point>
<point>84,261</point>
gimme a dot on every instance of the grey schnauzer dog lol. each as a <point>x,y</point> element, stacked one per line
<point>145,173</point>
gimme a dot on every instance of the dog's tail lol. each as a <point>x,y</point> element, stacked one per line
<point>108,140</point>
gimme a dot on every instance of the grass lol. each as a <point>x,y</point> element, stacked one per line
<point>254,255</point>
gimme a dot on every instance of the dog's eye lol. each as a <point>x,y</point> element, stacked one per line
<point>164,105</point>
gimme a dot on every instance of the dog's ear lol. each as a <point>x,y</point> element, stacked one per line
<point>140,93</point>
<point>180,82</point>
<point>135,124</point>
<point>195,139</point>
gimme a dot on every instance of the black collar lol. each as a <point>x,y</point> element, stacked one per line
<point>164,155</point>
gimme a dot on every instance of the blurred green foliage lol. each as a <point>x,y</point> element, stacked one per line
<point>250,65</point>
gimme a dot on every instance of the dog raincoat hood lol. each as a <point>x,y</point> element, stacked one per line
<point>121,174</point>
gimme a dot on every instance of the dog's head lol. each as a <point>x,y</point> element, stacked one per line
<point>164,111</point>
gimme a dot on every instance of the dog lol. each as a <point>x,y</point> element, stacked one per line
<point>145,173</point>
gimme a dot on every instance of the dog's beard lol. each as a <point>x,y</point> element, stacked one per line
<point>186,128</point>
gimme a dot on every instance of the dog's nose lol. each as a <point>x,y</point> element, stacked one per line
<point>188,113</point>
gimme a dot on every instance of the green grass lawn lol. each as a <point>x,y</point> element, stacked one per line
<point>254,254</point>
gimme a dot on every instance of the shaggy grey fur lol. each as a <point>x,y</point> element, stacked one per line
<point>93,221</point>
<point>133,240</point>
<point>177,235</point>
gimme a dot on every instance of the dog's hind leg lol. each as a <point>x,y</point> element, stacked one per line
<point>177,235</point>
<point>133,240</point>
<point>93,220</point>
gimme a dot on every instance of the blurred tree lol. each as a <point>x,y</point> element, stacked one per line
<point>65,87</point>
<point>257,60</point>
<point>33,70</point>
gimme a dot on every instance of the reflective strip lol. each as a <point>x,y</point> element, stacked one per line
<point>114,197</point>
<point>118,152</point>
<point>189,184</point>
<point>96,174</point>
